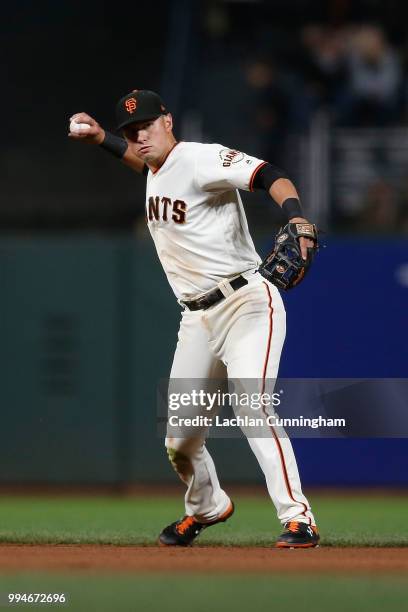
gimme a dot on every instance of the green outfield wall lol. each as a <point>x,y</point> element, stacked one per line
<point>88,326</point>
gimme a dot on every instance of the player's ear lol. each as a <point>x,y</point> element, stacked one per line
<point>168,122</point>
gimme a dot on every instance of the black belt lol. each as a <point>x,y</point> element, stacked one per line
<point>211,298</point>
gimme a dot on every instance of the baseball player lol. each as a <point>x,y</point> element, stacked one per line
<point>233,318</point>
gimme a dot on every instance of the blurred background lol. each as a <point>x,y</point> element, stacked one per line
<point>88,323</point>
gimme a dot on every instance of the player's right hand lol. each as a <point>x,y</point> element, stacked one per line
<point>95,134</point>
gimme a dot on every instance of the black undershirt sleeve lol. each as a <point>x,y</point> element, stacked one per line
<point>267,175</point>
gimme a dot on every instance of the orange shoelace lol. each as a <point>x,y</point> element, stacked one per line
<point>185,524</point>
<point>293,526</point>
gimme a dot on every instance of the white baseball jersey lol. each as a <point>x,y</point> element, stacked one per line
<point>196,217</point>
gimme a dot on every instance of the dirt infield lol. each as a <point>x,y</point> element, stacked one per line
<point>202,559</point>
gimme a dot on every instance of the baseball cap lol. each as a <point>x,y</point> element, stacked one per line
<point>139,105</point>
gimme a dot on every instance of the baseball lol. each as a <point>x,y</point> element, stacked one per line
<point>79,128</point>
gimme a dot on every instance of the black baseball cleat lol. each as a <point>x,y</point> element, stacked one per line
<point>298,535</point>
<point>185,531</point>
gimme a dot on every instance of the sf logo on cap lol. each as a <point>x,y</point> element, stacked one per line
<point>130,105</point>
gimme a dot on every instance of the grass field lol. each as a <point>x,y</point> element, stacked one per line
<point>202,593</point>
<point>349,521</point>
<point>343,521</point>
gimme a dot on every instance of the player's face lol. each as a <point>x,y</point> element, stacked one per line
<point>150,140</point>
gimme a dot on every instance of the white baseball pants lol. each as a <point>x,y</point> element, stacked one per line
<point>240,337</point>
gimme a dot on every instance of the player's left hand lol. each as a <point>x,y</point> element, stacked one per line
<point>295,247</point>
<point>303,242</point>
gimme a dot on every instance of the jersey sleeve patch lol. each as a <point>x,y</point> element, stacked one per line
<point>230,156</point>
<point>220,168</point>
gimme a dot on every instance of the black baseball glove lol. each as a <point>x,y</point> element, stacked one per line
<point>285,266</point>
